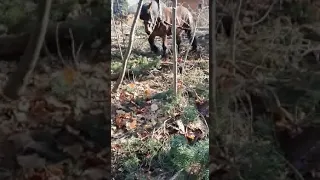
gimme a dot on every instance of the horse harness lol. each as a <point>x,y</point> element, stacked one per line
<point>160,22</point>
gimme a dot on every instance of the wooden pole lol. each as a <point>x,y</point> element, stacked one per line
<point>174,45</point>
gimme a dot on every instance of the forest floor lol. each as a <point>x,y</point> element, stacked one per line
<point>149,125</point>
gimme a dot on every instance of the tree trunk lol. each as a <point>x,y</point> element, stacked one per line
<point>19,79</point>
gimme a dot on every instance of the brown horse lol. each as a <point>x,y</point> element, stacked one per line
<point>157,18</point>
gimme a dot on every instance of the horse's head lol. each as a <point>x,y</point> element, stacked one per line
<point>150,14</point>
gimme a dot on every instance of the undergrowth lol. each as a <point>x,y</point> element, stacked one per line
<point>169,156</point>
<point>172,154</point>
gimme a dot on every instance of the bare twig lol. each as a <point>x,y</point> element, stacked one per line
<point>263,17</point>
<point>75,54</point>
<point>234,34</point>
<point>58,44</point>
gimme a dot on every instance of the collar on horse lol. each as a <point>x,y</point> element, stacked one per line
<point>161,20</point>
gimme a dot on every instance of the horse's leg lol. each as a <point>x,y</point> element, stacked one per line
<point>153,47</point>
<point>194,42</point>
<point>164,46</point>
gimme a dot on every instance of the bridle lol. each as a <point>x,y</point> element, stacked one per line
<point>153,24</point>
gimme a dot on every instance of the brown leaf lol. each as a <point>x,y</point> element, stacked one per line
<point>125,96</point>
<point>116,146</point>
<point>180,85</point>
<point>133,124</point>
<point>131,85</point>
<point>122,96</point>
<point>147,93</point>
<point>69,75</point>
<point>119,122</point>
<point>141,111</point>
<point>143,134</point>
<point>121,119</point>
